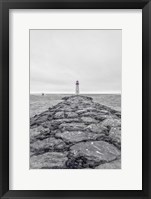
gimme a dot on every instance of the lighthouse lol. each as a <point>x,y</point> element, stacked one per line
<point>77,87</point>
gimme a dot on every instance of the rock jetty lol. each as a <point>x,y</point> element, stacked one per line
<point>77,133</point>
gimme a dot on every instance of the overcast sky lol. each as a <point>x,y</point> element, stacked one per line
<point>60,57</point>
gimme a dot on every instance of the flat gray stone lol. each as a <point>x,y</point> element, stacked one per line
<point>47,124</point>
<point>87,110</point>
<point>45,145</point>
<point>77,136</point>
<point>91,109</point>
<point>97,128</point>
<point>36,132</point>
<point>115,136</point>
<point>71,114</point>
<point>101,117</point>
<point>91,154</point>
<point>90,114</point>
<point>116,164</point>
<point>88,120</point>
<point>50,160</point>
<point>118,114</point>
<point>104,111</point>
<point>72,126</point>
<point>111,122</point>
<point>81,111</point>
<point>59,115</point>
<point>36,121</point>
<point>57,122</point>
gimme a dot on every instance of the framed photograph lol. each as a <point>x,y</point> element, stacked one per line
<point>75,99</point>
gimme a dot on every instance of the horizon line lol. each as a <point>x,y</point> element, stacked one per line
<point>74,93</point>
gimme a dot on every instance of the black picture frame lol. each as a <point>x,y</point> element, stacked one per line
<point>5,5</point>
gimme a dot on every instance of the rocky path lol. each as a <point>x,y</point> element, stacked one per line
<point>76,134</point>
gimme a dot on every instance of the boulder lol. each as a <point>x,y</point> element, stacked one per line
<point>105,112</point>
<point>111,122</point>
<point>49,160</point>
<point>91,109</point>
<point>110,165</point>
<point>97,128</point>
<point>59,115</point>
<point>115,136</point>
<point>47,124</point>
<point>91,154</point>
<point>90,114</point>
<point>72,126</point>
<point>118,114</point>
<point>81,111</point>
<point>88,120</point>
<point>45,145</point>
<point>71,114</point>
<point>57,122</point>
<point>101,117</point>
<point>36,132</point>
<point>38,120</point>
<point>76,136</point>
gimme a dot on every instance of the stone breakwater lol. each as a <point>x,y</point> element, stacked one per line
<point>77,133</point>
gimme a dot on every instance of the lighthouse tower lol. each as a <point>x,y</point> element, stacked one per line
<point>77,87</point>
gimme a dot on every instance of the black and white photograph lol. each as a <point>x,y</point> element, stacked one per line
<point>75,98</point>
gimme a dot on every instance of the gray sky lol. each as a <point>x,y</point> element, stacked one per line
<point>60,57</point>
